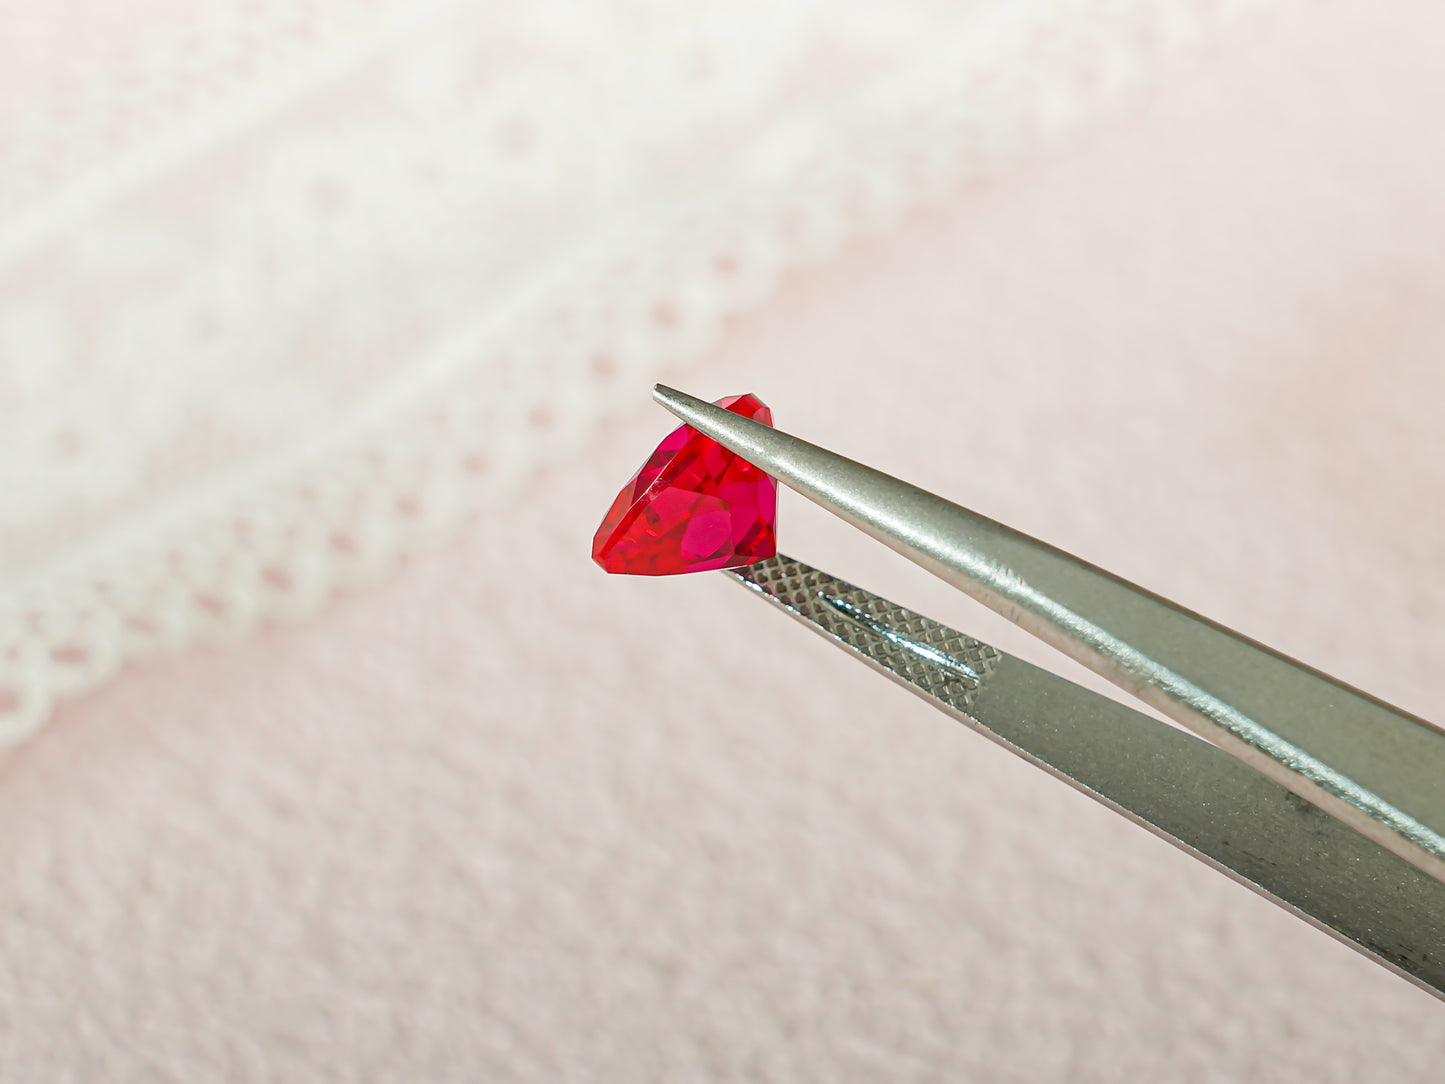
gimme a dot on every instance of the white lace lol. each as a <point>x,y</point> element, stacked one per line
<point>296,286</point>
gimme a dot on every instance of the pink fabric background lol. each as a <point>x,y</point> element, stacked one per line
<point>503,817</point>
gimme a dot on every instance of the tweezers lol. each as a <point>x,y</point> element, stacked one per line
<point>1323,799</point>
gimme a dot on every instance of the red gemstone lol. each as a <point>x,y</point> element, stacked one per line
<point>693,506</point>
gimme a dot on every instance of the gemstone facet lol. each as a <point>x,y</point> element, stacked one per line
<point>693,506</point>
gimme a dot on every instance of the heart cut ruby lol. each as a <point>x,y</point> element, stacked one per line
<point>693,506</point>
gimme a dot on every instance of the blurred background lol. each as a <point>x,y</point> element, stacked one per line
<point>327,331</point>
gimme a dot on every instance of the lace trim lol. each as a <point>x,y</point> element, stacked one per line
<point>167,503</point>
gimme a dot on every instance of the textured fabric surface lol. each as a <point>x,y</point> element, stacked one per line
<point>290,289</point>
<point>499,816</point>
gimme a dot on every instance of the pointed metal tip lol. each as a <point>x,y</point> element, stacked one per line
<point>734,432</point>
<point>695,412</point>
<point>673,399</point>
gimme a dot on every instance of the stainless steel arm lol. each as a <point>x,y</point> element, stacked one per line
<point>1373,767</point>
<point>1177,786</point>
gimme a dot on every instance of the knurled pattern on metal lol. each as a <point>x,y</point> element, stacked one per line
<point>940,661</point>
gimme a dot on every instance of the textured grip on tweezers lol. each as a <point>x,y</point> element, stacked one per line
<point>933,658</point>
<point>1172,783</point>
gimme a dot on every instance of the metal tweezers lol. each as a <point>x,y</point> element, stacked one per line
<point>1318,796</point>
